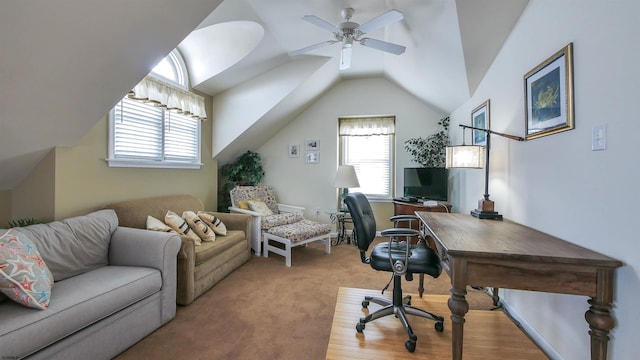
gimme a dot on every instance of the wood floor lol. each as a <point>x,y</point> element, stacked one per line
<point>487,334</point>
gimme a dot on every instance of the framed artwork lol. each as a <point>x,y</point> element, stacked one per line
<point>548,95</point>
<point>480,118</point>
<point>294,150</point>
<point>313,157</point>
<point>312,144</point>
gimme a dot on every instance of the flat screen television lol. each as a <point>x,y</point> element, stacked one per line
<point>427,183</point>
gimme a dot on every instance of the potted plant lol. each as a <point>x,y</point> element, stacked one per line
<point>430,151</point>
<point>246,170</point>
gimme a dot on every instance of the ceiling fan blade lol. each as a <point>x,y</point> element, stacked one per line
<point>383,45</point>
<point>311,47</point>
<point>321,23</point>
<point>385,19</point>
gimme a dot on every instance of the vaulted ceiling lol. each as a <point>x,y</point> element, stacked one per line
<point>66,63</point>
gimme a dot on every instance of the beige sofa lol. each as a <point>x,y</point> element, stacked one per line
<point>199,267</point>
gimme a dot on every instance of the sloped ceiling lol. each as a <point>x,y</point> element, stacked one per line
<point>65,63</point>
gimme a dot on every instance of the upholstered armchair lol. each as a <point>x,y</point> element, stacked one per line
<point>276,222</point>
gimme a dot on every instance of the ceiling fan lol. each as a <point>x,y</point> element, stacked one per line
<point>349,32</point>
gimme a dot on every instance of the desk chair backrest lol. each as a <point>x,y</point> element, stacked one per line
<point>364,222</point>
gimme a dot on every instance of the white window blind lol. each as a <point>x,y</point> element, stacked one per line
<point>367,144</point>
<point>145,135</point>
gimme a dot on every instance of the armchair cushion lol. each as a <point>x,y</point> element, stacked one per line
<point>246,193</point>
<point>271,221</point>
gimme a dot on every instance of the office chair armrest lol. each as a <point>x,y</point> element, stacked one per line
<point>400,232</point>
<point>403,218</point>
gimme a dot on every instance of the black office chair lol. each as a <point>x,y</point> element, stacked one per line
<point>400,257</point>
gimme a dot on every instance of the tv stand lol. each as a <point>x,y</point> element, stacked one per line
<point>404,208</point>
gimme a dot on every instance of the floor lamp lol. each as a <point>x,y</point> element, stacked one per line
<point>346,178</point>
<point>470,156</point>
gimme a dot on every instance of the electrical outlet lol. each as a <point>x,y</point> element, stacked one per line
<point>317,211</point>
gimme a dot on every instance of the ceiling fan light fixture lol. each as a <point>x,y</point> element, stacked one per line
<point>345,57</point>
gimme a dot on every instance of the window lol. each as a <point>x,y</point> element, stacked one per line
<point>158,123</point>
<point>367,143</point>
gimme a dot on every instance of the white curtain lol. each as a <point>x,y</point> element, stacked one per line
<point>171,97</point>
<point>366,126</point>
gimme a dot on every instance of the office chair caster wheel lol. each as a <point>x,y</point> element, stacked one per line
<point>410,345</point>
<point>359,327</point>
<point>439,326</point>
<point>365,304</point>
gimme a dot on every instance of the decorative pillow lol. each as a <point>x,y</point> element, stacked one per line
<point>213,222</point>
<point>157,225</point>
<point>244,204</point>
<point>198,226</point>
<point>24,277</point>
<point>181,227</point>
<point>260,207</point>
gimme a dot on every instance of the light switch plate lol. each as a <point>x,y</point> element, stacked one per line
<point>599,137</point>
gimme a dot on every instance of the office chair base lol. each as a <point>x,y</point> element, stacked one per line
<point>400,312</point>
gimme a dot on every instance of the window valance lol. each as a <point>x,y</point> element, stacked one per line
<point>367,126</point>
<point>169,96</point>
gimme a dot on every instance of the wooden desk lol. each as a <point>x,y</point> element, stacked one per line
<point>509,255</point>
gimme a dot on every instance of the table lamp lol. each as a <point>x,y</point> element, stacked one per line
<point>470,156</point>
<point>346,178</point>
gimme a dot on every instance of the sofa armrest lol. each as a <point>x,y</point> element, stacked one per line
<point>137,247</point>
<point>154,249</point>
<point>285,208</point>
<point>239,221</point>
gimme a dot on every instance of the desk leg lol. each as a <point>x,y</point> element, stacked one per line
<point>458,305</point>
<point>599,315</point>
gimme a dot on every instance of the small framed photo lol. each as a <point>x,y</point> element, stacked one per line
<point>480,118</point>
<point>313,157</point>
<point>548,95</point>
<point>294,150</point>
<point>312,144</point>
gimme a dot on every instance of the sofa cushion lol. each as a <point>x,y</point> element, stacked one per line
<point>279,219</point>
<point>209,250</point>
<point>133,213</point>
<point>213,222</point>
<point>75,245</point>
<point>76,303</point>
<point>24,277</point>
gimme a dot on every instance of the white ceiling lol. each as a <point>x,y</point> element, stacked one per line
<point>66,63</point>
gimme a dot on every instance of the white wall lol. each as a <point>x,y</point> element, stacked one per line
<point>311,185</point>
<point>556,184</point>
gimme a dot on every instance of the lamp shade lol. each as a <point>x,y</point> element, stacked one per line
<point>465,156</point>
<point>346,177</point>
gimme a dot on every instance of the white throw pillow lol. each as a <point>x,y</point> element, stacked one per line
<point>181,227</point>
<point>213,222</point>
<point>157,225</point>
<point>198,226</point>
<point>261,207</point>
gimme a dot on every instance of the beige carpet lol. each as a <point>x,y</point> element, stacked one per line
<point>265,310</point>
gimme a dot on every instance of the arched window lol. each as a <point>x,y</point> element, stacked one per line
<point>158,123</point>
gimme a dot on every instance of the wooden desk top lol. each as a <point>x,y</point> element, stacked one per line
<point>464,235</point>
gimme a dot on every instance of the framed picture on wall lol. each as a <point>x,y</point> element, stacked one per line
<point>548,95</point>
<point>294,150</point>
<point>313,157</point>
<point>312,144</point>
<point>480,118</point>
